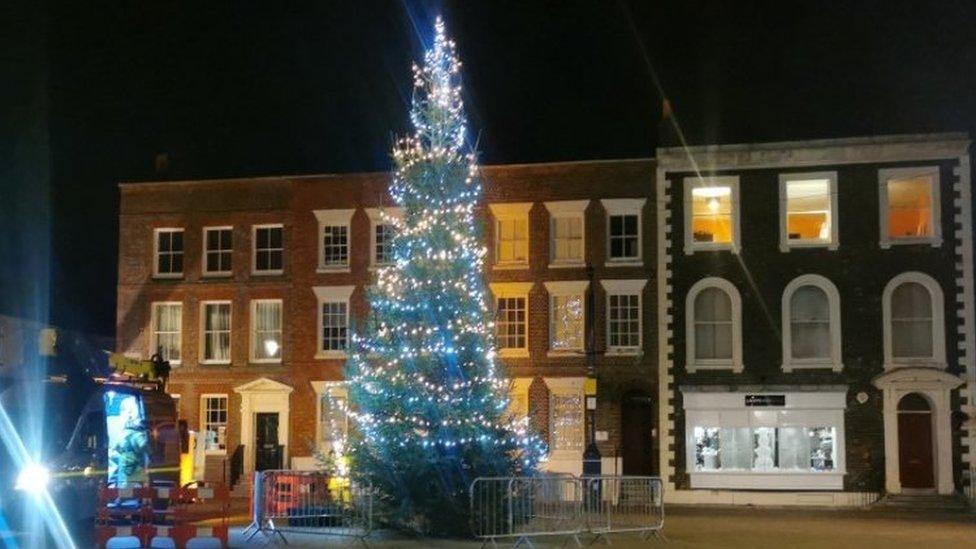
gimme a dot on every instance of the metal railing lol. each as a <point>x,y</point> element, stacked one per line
<point>309,502</point>
<point>522,508</point>
<point>236,465</point>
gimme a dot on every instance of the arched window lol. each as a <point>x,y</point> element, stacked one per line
<point>914,322</point>
<point>811,324</point>
<point>713,324</point>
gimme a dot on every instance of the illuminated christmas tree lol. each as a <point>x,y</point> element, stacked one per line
<point>428,400</point>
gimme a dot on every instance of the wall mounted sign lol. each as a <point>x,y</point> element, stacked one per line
<point>765,400</point>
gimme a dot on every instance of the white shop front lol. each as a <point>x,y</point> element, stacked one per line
<point>765,439</point>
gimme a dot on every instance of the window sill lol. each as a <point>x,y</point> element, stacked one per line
<point>267,273</point>
<point>258,362</point>
<point>513,353</point>
<point>787,247</point>
<point>768,480</point>
<point>933,364</point>
<point>623,352</point>
<point>567,353</point>
<point>215,363</point>
<point>331,270</point>
<point>567,265</point>
<point>636,262</point>
<point>510,266</point>
<point>691,249</point>
<point>935,242</point>
<point>789,367</point>
<point>733,367</point>
<point>167,276</point>
<point>331,355</point>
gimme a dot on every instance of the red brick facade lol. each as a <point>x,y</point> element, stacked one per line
<point>291,201</point>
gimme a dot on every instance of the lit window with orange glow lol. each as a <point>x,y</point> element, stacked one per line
<point>910,206</point>
<point>808,205</point>
<point>711,212</point>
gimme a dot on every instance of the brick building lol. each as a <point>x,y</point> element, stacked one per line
<point>818,346</point>
<point>250,287</point>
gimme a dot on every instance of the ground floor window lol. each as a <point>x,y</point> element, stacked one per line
<point>767,441</point>
<point>214,423</point>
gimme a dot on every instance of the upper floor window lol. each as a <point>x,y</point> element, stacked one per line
<point>914,322</point>
<point>567,221</point>
<point>711,213</point>
<point>624,235</point>
<point>567,314</point>
<point>333,320</point>
<point>169,253</point>
<point>269,249</point>
<point>215,332</point>
<point>910,206</point>
<point>383,228</point>
<point>511,234</point>
<point>335,235</point>
<point>266,330</point>
<point>811,324</point>
<point>808,210</point>
<point>218,250</point>
<point>167,329</point>
<point>512,318</point>
<point>713,326</point>
<point>623,315</point>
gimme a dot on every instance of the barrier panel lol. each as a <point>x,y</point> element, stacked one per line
<point>309,502</point>
<point>614,504</point>
<point>154,515</point>
<point>523,508</point>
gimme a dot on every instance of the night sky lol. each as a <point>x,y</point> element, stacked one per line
<point>90,92</point>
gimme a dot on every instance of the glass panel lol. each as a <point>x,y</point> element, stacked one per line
<point>810,323</point>
<point>624,237</point>
<point>334,423</point>
<point>711,214</point>
<point>510,323</point>
<point>215,423</point>
<point>567,238</point>
<point>911,321</point>
<point>167,330</point>
<point>216,332</point>
<point>910,207</point>
<point>624,321</point>
<point>567,422</point>
<point>567,322</point>
<point>335,245</point>
<point>334,326</point>
<point>512,240</point>
<point>808,210</point>
<point>764,449</point>
<point>266,334</point>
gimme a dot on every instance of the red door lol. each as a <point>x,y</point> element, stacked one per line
<point>915,460</point>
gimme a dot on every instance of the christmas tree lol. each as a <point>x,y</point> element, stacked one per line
<point>428,400</point>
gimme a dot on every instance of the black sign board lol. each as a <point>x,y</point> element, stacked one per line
<point>765,400</point>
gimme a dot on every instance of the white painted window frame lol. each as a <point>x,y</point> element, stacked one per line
<point>508,211</point>
<point>153,338</point>
<point>252,336</point>
<point>332,294</point>
<point>377,217</point>
<point>835,361</point>
<point>885,175</point>
<point>938,358</point>
<point>731,181</point>
<point>334,218</point>
<point>254,250</point>
<point>203,421</point>
<point>735,363</point>
<point>331,389</point>
<point>625,287</point>
<point>519,290</point>
<point>624,206</point>
<point>566,209</point>
<point>566,386</point>
<point>785,244</point>
<point>207,252</point>
<point>566,288</point>
<point>203,332</point>
<point>155,259</point>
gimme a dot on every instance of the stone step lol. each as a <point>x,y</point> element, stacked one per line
<point>925,501</point>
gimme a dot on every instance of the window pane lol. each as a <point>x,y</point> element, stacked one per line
<point>167,328</point>
<point>567,422</point>
<point>216,332</point>
<point>810,339</point>
<point>910,207</point>
<point>266,331</point>
<point>269,249</point>
<point>215,423</point>
<point>711,214</point>
<point>513,241</point>
<point>624,237</point>
<point>335,245</point>
<point>911,321</point>
<point>808,210</point>
<point>334,423</point>
<point>911,300</point>
<point>713,304</point>
<point>510,326</point>
<point>334,326</point>
<point>567,322</point>
<point>624,321</point>
<point>567,238</point>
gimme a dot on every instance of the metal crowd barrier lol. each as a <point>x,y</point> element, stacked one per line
<point>523,508</point>
<point>309,502</point>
